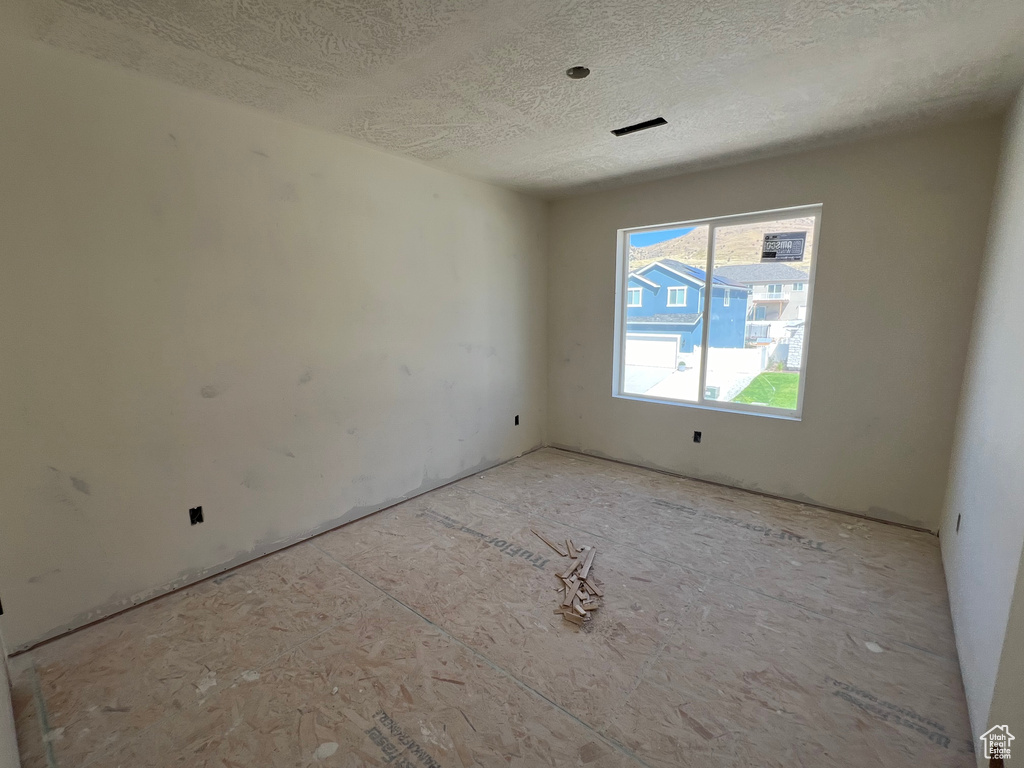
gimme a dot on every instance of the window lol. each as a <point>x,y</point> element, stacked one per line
<point>747,352</point>
<point>635,297</point>
<point>676,297</point>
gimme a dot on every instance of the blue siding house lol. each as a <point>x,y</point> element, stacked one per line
<point>667,298</point>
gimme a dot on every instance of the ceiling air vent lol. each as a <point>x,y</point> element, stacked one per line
<point>640,126</point>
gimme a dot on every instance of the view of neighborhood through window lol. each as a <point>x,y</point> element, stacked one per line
<point>753,327</point>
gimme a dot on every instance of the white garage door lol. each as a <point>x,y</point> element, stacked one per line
<point>652,351</point>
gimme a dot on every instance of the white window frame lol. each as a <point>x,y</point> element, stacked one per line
<point>669,289</point>
<point>640,293</point>
<point>621,285</point>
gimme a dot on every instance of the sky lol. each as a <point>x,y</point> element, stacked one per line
<point>640,239</point>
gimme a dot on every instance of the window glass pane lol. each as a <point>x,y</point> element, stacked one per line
<point>662,345</point>
<point>755,344</point>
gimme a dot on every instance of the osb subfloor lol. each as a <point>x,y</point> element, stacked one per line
<point>736,631</point>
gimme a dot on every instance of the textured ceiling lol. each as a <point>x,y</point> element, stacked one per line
<point>478,86</point>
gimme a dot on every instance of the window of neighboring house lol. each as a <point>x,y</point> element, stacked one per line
<point>635,297</point>
<point>676,297</point>
<point>726,355</point>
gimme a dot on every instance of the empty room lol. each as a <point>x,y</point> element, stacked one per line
<point>470,383</point>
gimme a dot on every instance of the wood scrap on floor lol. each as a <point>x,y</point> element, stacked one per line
<point>581,591</point>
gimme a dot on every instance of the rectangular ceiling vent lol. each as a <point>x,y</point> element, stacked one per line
<point>640,126</point>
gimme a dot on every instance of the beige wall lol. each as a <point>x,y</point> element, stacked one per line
<point>902,235</point>
<point>204,305</point>
<point>986,489</point>
<point>1008,694</point>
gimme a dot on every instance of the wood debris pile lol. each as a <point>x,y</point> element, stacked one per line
<point>581,591</point>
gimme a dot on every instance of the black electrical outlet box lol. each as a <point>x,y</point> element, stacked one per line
<point>696,437</point>
<point>195,515</point>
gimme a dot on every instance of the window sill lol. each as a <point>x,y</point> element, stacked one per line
<point>769,414</point>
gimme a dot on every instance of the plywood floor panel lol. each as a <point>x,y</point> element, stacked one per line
<point>736,630</point>
<point>828,563</point>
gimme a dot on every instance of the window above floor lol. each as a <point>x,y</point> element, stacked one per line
<point>734,336</point>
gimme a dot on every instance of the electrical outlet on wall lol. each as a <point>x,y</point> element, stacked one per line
<point>195,515</point>
<point>696,437</point>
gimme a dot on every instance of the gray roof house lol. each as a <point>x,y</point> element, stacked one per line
<point>757,274</point>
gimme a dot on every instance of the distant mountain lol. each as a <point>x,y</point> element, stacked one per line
<point>691,248</point>
<point>739,244</point>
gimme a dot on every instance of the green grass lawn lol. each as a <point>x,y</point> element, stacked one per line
<point>777,390</point>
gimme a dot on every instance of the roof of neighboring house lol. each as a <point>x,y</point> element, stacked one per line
<point>763,273</point>
<point>680,319</point>
<point>687,270</point>
<point>641,278</point>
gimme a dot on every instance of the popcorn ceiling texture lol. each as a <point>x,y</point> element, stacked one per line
<point>478,86</point>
